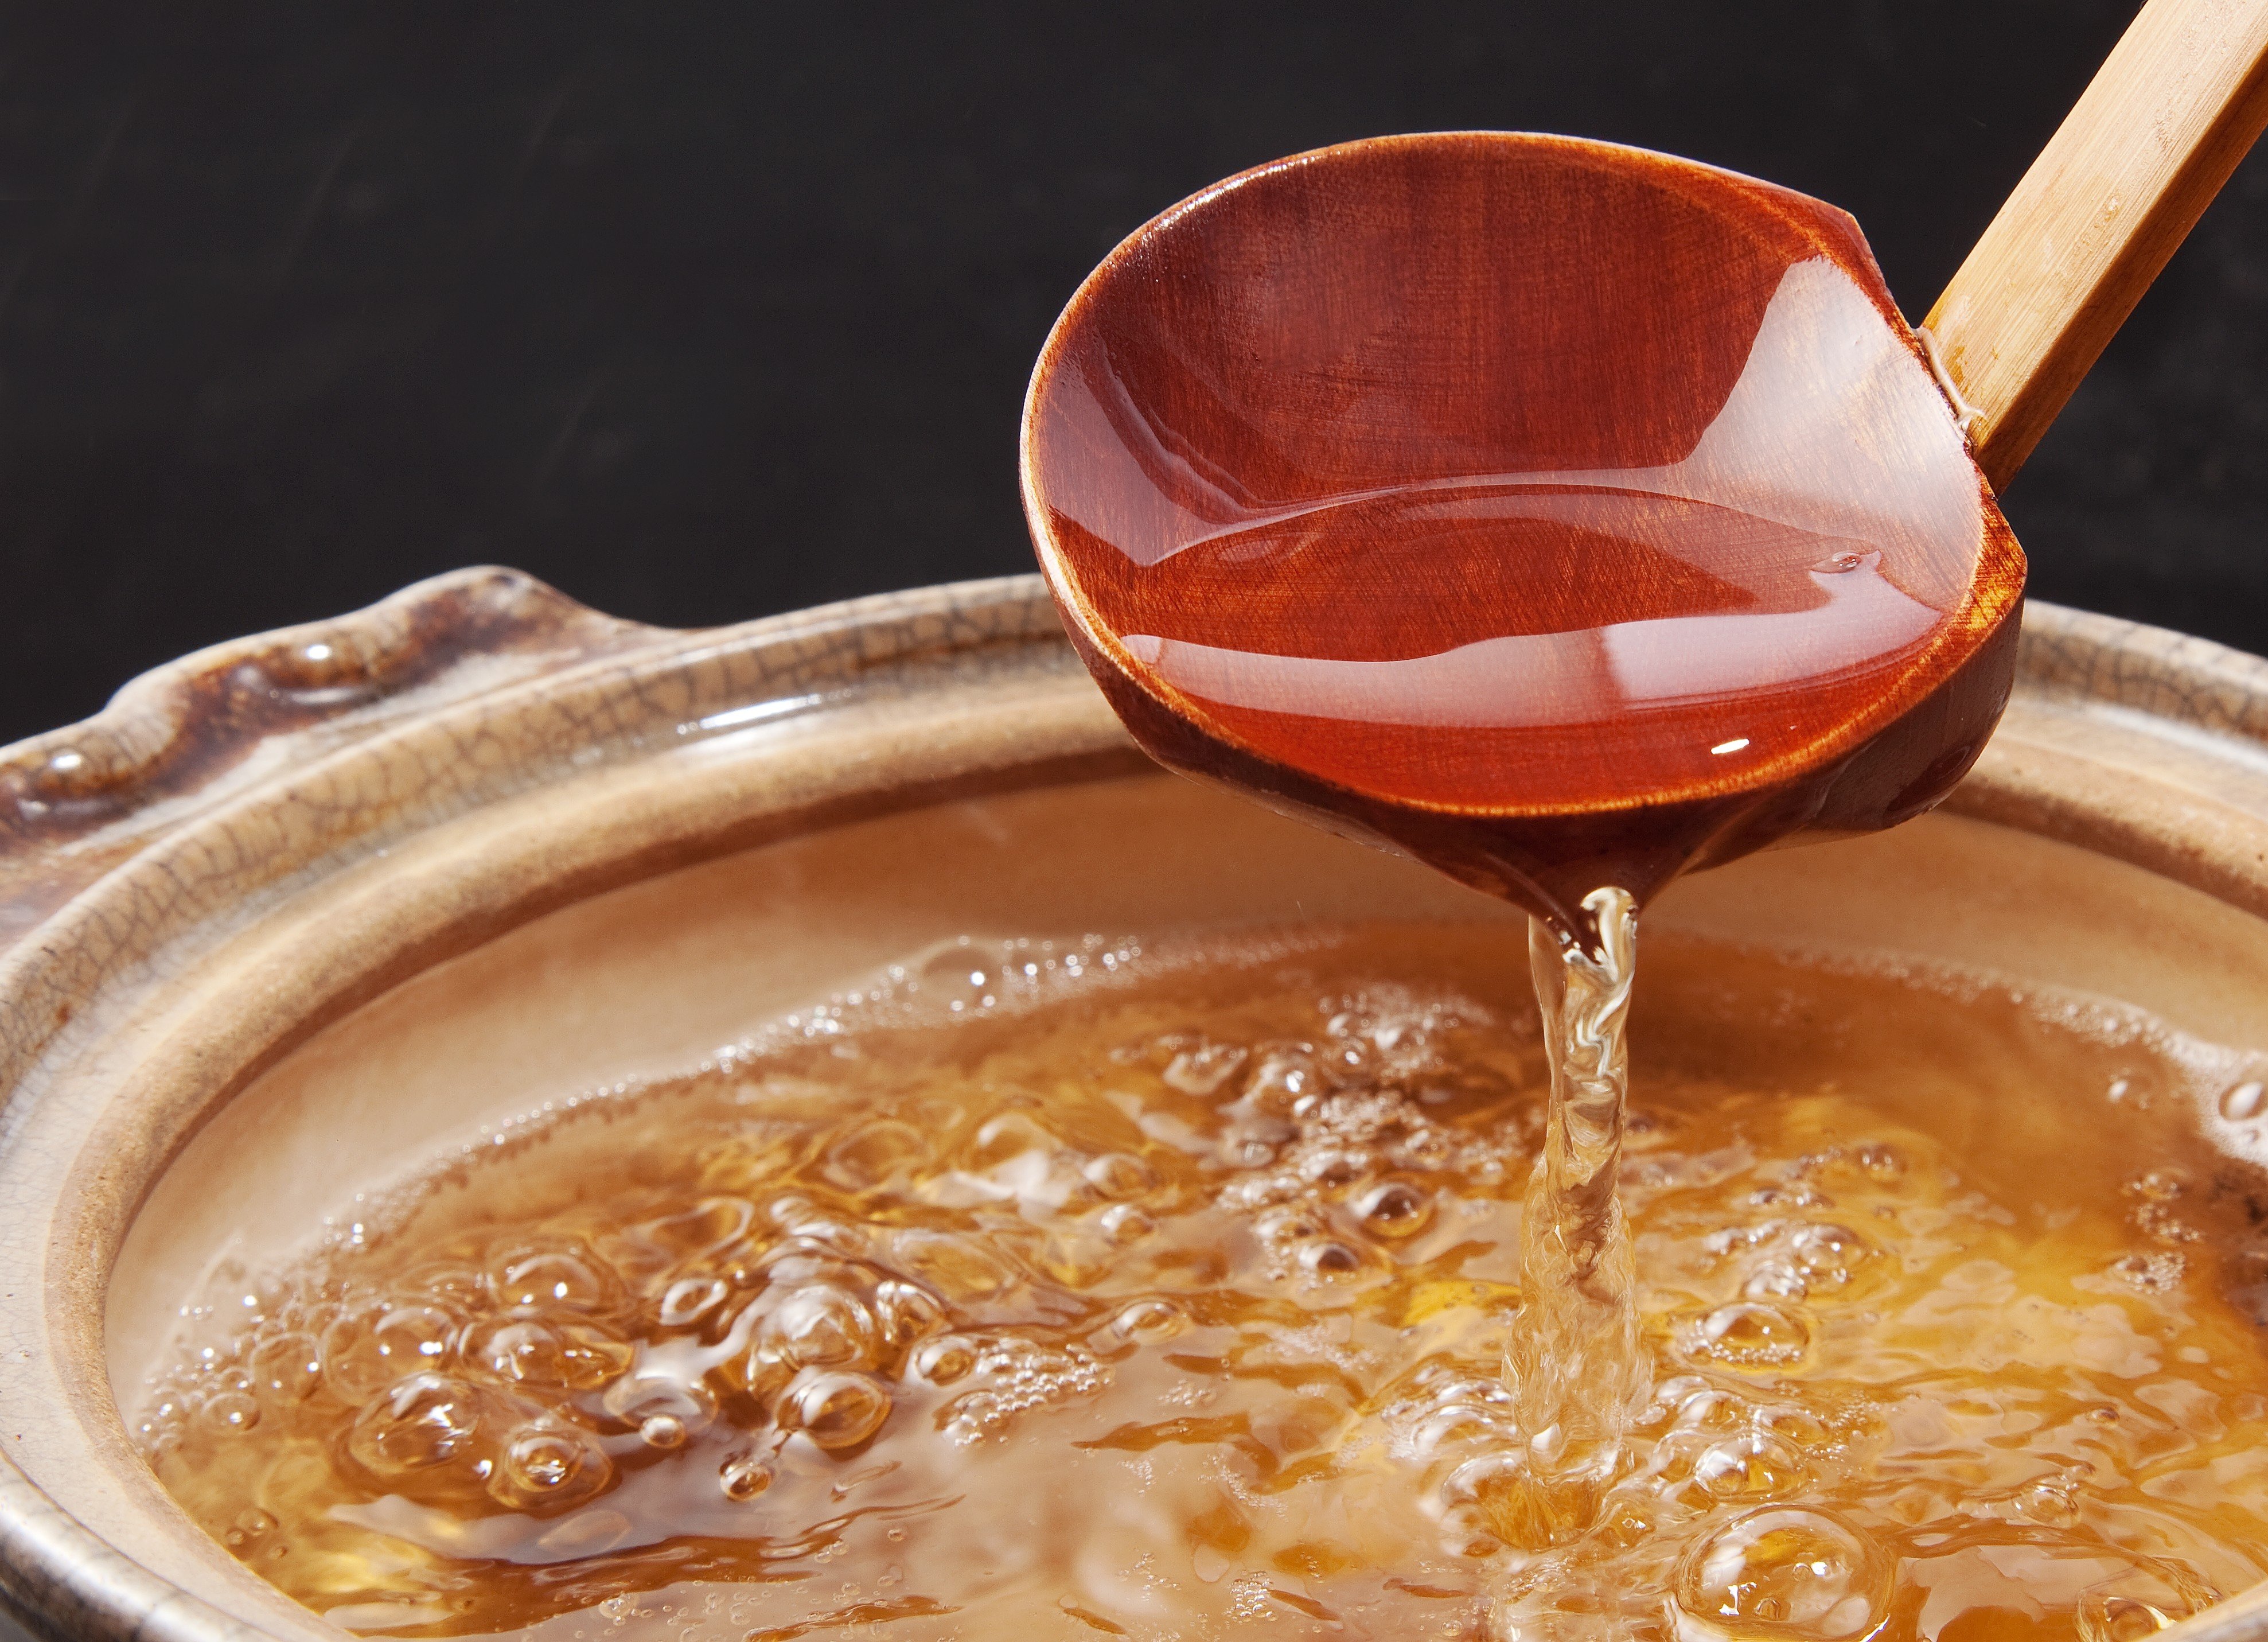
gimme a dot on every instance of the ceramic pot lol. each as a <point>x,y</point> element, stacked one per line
<point>301,911</point>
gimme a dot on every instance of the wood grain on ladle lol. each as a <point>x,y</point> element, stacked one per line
<point>1571,516</point>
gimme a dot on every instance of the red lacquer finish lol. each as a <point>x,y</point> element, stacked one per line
<point>1562,513</point>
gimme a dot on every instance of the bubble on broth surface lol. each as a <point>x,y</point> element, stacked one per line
<point>1757,1465</point>
<point>836,1410</point>
<point>1171,1291</point>
<point>375,1345</point>
<point>286,1368</point>
<point>1746,1334</point>
<point>743,1477</point>
<point>1829,1256</point>
<point>2140,1601</point>
<point>548,1465</point>
<point>519,1350</point>
<point>1785,1573</point>
<point>1395,1209</point>
<point>1149,1320</point>
<point>420,1422</point>
<point>230,1410</point>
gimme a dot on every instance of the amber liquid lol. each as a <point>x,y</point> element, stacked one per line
<point>1046,1291</point>
<point>1529,647</point>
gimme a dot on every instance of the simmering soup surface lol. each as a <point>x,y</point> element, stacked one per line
<point>1048,1289</point>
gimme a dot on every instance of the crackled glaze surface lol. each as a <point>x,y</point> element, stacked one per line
<point>240,854</point>
<point>187,737</point>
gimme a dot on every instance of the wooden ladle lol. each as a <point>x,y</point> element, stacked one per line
<point>1571,516</point>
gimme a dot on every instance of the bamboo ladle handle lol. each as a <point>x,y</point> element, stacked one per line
<point>2135,163</point>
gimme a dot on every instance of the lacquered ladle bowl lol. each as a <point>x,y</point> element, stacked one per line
<point>1562,513</point>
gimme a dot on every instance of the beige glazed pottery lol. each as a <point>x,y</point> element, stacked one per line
<point>302,911</point>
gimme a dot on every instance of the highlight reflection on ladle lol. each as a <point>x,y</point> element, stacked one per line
<point>1531,680</point>
<point>1365,486</point>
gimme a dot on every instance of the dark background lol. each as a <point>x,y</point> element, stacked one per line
<point>705,311</point>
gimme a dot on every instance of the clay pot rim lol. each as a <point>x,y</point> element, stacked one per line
<point>201,739</point>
